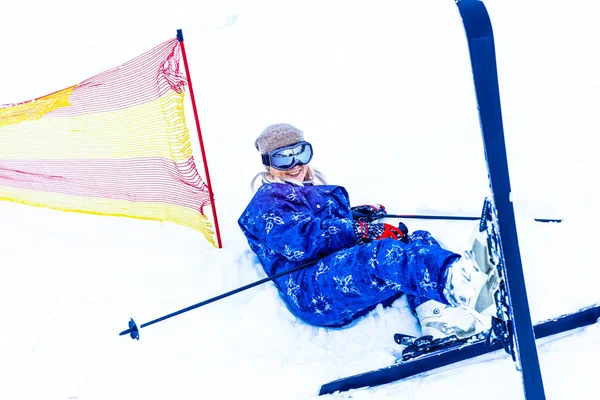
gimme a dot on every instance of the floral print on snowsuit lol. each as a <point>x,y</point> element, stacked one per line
<point>288,225</point>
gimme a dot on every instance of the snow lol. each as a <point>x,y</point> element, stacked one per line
<point>383,90</point>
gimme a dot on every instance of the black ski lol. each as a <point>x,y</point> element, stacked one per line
<point>516,324</point>
<point>459,352</point>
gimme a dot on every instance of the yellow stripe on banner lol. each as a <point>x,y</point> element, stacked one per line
<point>163,212</point>
<point>154,129</point>
<point>35,109</point>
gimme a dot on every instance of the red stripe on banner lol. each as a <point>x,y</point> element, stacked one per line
<point>136,180</point>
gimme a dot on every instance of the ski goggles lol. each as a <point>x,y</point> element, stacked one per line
<point>288,157</point>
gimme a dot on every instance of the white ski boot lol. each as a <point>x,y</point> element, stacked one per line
<point>481,254</point>
<point>473,280</point>
<point>441,320</point>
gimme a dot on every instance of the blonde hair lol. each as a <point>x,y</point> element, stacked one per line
<point>313,176</point>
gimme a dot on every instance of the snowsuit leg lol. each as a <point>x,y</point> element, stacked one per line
<point>351,282</point>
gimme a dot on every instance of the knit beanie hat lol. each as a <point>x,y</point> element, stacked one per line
<point>276,136</point>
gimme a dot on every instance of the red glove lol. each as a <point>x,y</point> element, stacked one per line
<point>392,232</point>
<point>369,231</point>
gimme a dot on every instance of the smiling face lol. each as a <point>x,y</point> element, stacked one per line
<point>298,173</point>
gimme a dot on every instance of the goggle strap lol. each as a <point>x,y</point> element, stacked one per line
<point>265,160</point>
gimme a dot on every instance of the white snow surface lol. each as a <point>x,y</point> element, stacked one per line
<point>383,89</point>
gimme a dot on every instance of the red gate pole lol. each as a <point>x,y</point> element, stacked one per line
<point>210,191</point>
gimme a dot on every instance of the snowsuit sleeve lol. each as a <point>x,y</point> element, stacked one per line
<point>299,223</point>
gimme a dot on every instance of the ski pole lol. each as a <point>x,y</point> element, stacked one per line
<point>133,330</point>
<point>453,217</point>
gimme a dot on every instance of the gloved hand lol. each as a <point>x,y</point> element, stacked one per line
<point>368,213</point>
<point>368,231</point>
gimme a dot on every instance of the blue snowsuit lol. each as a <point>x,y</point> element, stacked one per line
<point>288,225</point>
